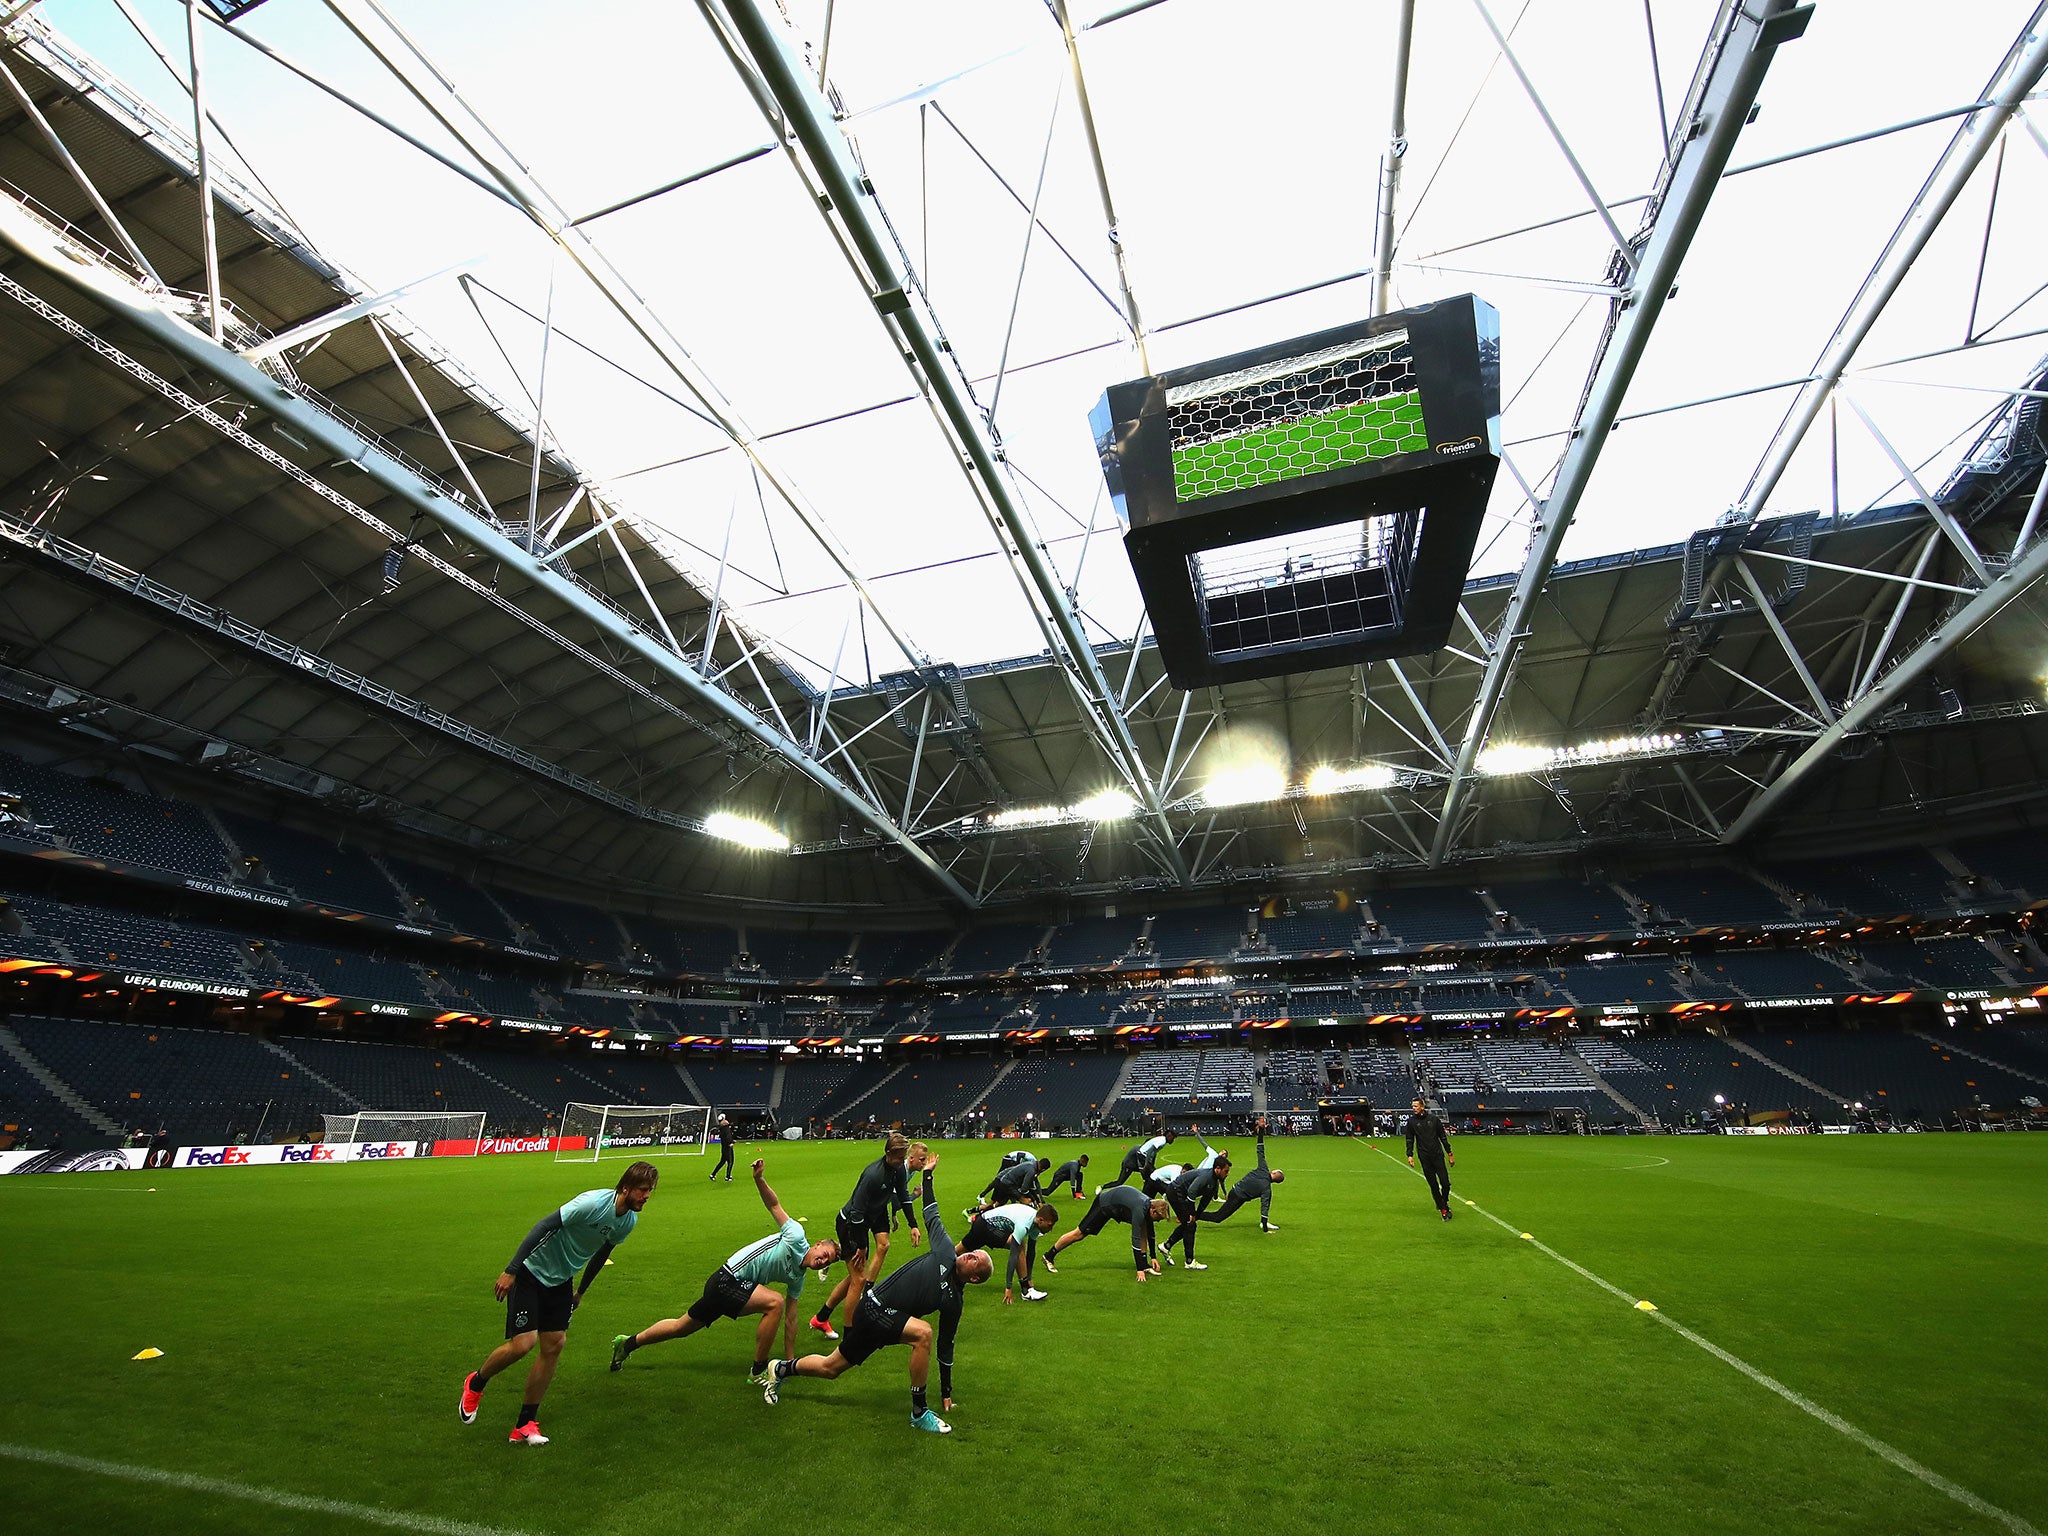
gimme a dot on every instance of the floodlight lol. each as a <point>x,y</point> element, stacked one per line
<point>1329,779</point>
<point>1313,502</point>
<point>1108,805</point>
<point>1245,786</point>
<point>745,831</point>
<point>1513,757</point>
<point>1029,816</point>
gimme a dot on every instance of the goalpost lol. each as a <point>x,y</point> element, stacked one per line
<point>430,1126</point>
<point>632,1130</point>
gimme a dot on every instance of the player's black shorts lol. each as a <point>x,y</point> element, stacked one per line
<point>1094,1219</point>
<point>1133,1163</point>
<point>1183,1207</point>
<point>981,1235</point>
<point>725,1295</point>
<point>853,1237</point>
<point>532,1307</point>
<point>872,1327</point>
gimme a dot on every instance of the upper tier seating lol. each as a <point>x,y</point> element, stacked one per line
<point>1563,908</point>
<point>455,903</point>
<point>1897,883</point>
<point>1709,897</point>
<point>932,1092</point>
<point>108,822</point>
<point>687,949</point>
<point>1326,931</point>
<point>346,973</point>
<point>2017,860</point>
<point>1425,915</point>
<point>315,868</point>
<point>568,927</point>
<point>789,955</point>
<point>1210,933</point>
<point>1764,972</point>
<point>1938,964</point>
<point>1092,941</point>
<point>884,956</point>
<point>995,950</point>
<point>101,936</point>
<point>1163,1079</point>
<point>1639,982</point>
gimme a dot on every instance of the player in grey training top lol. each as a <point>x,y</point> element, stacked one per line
<point>1117,1202</point>
<point>1067,1175</point>
<point>1018,1228</point>
<point>740,1287</point>
<point>1139,1159</point>
<point>538,1297</point>
<point>1256,1185</point>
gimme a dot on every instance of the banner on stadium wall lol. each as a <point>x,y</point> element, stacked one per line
<point>303,1152</point>
<point>492,1145</point>
<point>89,1160</point>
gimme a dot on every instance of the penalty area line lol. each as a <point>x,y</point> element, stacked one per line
<point>1806,1405</point>
<point>276,1498</point>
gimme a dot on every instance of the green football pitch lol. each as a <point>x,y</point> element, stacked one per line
<point>1367,1366</point>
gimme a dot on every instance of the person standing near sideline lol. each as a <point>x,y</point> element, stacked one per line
<point>539,1299</point>
<point>1431,1138</point>
<point>726,1135</point>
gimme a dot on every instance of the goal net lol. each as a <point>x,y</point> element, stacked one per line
<point>432,1126</point>
<point>591,1132</point>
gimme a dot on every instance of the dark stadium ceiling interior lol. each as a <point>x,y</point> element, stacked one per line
<point>271,630</point>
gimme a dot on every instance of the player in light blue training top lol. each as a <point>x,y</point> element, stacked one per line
<point>537,1293</point>
<point>740,1287</point>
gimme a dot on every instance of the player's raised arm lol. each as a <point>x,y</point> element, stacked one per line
<point>767,1195</point>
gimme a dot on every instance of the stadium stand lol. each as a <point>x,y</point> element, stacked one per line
<point>568,927</point>
<point>1887,1069</point>
<point>626,1079</point>
<point>1938,963</point>
<point>109,822</point>
<point>995,950</point>
<point>1328,931</point>
<point>101,936</point>
<point>1226,1078</point>
<point>796,956</point>
<point>1563,908</point>
<point>1709,897</point>
<point>1192,1008</point>
<point>1294,1080</point>
<point>1605,1057</point>
<point>543,1082</point>
<point>883,956</point>
<point>932,1093</point>
<point>1685,1074</point>
<point>1532,1069</point>
<point>382,1076</point>
<point>205,1085</point>
<point>2023,1048</point>
<point>1075,1010</point>
<point>346,973</point>
<point>839,1090</point>
<point>971,1015</point>
<point>1422,915</point>
<point>1164,1080</point>
<point>1621,981</point>
<point>313,868</point>
<point>2017,860</point>
<point>475,991</point>
<point>32,1116</point>
<point>1093,941</point>
<point>1059,1092</point>
<point>1210,933</point>
<point>1900,882</point>
<point>741,1080</point>
<point>453,901</point>
<point>686,949</point>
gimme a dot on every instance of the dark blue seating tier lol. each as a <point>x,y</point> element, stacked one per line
<point>1708,897</point>
<point>1062,1092</point>
<point>793,956</point>
<point>1562,908</point>
<point>111,823</point>
<point>1433,916</point>
<point>994,950</point>
<point>315,868</point>
<point>455,903</point>
<point>1092,941</point>
<point>1211,933</point>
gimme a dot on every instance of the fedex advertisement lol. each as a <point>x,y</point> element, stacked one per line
<point>339,1152</point>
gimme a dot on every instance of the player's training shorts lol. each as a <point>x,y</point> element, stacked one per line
<point>725,1295</point>
<point>853,1237</point>
<point>532,1307</point>
<point>1094,1219</point>
<point>871,1327</point>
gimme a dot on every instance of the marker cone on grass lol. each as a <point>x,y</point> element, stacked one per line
<point>148,1354</point>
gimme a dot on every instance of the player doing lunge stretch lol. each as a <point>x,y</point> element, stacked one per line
<point>538,1297</point>
<point>1186,1196</point>
<point>1430,1139</point>
<point>864,1219</point>
<point>1016,1180</point>
<point>1118,1202</point>
<point>895,1310</point>
<point>740,1287</point>
<point>1067,1176</point>
<point>1139,1159</point>
<point>1018,1228</point>
<point>1256,1185</point>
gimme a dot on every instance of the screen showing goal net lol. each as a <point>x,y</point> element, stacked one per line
<point>592,1132</point>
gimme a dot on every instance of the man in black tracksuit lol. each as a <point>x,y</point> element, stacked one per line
<point>882,1189</point>
<point>1431,1138</point>
<point>726,1135</point>
<point>894,1312</point>
<point>1118,1202</point>
<point>1256,1185</point>
<point>1186,1196</point>
<point>1068,1174</point>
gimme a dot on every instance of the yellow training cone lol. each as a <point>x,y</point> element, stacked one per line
<point>1474,1207</point>
<point>1528,1237</point>
<point>1646,1306</point>
<point>149,1354</point>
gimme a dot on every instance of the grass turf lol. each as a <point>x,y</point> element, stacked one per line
<point>1367,1362</point>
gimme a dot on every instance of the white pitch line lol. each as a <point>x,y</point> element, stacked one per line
<point>1870,1442</point>
<point>369,1514</point>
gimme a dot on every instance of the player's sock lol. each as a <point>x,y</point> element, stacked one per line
<point>528,1412</point>
<point>823,1314</point>
<point>917,1402</point>
<point>760,1367</point>
<point>478,1380</point>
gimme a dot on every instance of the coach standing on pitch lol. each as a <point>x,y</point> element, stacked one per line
<point>726,1134</point>
<point>1432,1139</point>
<point>537,1295</point>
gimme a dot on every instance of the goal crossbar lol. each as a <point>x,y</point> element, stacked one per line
<point>590,1133</point>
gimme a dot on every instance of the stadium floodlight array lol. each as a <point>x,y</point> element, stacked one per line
<point>746,831</point>
<point>631,1130</point>
<point>377,1125</point>
<point>1510,758</point>
<point>1108,805</point>
<point>1329,779</point>
<point>1313,502</point>
<point>1251,784</point>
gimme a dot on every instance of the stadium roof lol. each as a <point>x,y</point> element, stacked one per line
<point>199,530</point>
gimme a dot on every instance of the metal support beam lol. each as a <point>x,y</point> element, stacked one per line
<point>398,53</point>
<point>209,237</point>
<point>1885,694</point>
<point>1765,607</point>
<point>104,287</point>
<point>334,319</point>
<point>1390,164</point>
<point>2018,74</point>
<point>1132,317</point>
<point>1738,53</point>
<point>821,152</point>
